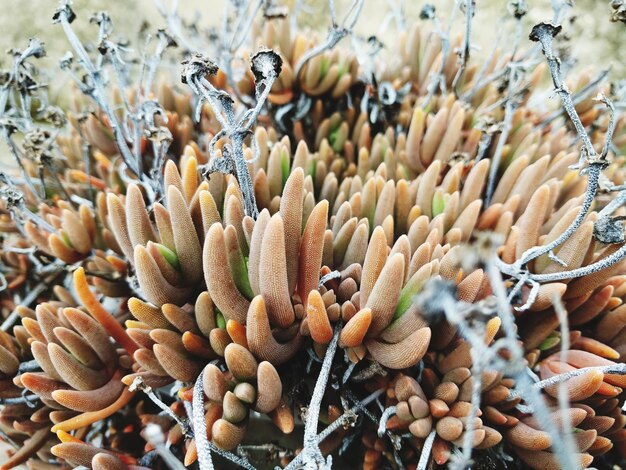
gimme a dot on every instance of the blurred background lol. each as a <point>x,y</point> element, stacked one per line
<point>595,40</point>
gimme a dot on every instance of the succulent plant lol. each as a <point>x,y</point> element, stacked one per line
<point>412,250</point>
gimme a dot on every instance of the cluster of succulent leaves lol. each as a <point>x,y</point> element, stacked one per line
<point>301,251</point>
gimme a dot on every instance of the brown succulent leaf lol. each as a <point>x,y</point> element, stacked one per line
<point>77,233</point>
<point>205,313</point>
<point>92,400</point>
<point>140,229</point>
<point>543,460</point>
<point>375,259</point>
<point>198,345</point>
<point>240,362</point>
<point>153,284</point>
<point>103,461</point>
<point>40,384</point>
<point>76,453</point>
<point>269,388</point>
<point>283,417</point>
<point>291,213</point>
<point>73,372</point>
<point>48,321</point>
<point>179,318</point>
<point>273,281</point>
<point>146,313</point>
<point>8,362</point>
<point>95,335</point>
<point>234,410</point>
<point>188,248</point>
<point>227,435</point>
<point>354,331</point>
<point>406,353</point>
<point>317,319</point>
<point>219,281</point>
<point>164,226</point>
<point>219,339</point>
<point>117,223</point>
<point>385,294</point>
<point>449,428</point>
<point>177,365</point>
<point>215,386</point>
<point>78,347</point>
<point>28,449</point>
<point>149,362</point>
<point>528,438</point>
<point>311,250</point>
<point>40,353</point>
<point>421,427</point>
<point>260,339</point>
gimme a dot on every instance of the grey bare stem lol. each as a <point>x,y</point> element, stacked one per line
<point>438,80</point>
<point>523,382</point>
<point>248,18</point>
<point>579,96</point>
<point>174,25</point>
<point>335,34</point>
<point>544,34</point>
<point>465,51</point>
<point>99,93</point>
<point>593,175</point>
<point>139,384</point>
<point>348,417</point>
<point>437,296</point>
<point>599,265</point>
<point>199,426</point>
<point>34,49</point>
<point>563,399</point>
<point>509,109</point>
<point>266,66</point>
<point>15,153</point>
<point>382,426</point>
<point>244,178</point>
<point>311,451</point>
<point>154,435</point>
<point>26,302</point>
<point>422,464</point>
<point>616,369</point>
